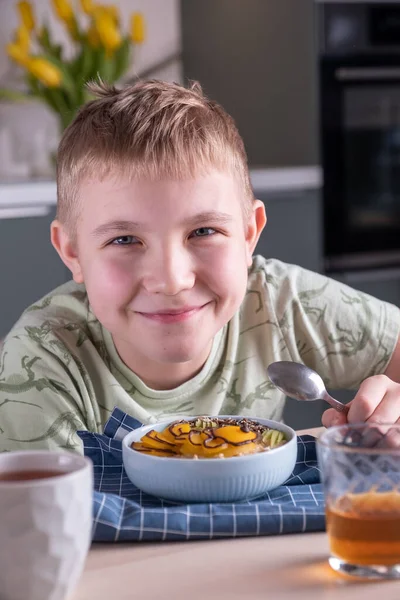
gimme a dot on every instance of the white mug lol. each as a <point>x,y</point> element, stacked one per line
<point>45,523</point>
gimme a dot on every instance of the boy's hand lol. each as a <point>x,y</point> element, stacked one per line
<point>378,400</point>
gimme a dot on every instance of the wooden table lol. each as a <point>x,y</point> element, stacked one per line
<point>256,568</point>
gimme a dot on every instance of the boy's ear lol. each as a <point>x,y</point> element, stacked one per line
<point>255,225</point>
<point>62,242</point>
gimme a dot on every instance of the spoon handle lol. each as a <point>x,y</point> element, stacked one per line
<point>335,403</point>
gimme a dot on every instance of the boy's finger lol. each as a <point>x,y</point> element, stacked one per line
<point>370,394</point>
<point>333,417</point>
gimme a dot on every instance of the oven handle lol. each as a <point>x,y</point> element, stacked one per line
<point>367,73</point>
<point>353,278</point>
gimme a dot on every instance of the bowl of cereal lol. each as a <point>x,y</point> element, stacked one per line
<point>210,459</point>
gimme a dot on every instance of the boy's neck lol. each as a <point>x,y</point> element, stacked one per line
<point>162,376</point>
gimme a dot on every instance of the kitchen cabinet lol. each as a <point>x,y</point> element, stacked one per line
<point>258,59</point>
<point>293,230</point>
<point>381,283</point>
<point>29,265</point>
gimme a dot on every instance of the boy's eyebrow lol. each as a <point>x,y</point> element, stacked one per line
<point>124,226</point>
<point>211,215</point>
<point>114,227</point>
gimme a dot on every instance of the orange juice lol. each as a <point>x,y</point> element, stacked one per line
<point>364,529</point>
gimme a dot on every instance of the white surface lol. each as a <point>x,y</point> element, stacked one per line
<point>45,525</point>
<point>286,179</point>
<point>35,193</point>
<point>44,193</point>
<point>278,567</point>
<point>22,212</point>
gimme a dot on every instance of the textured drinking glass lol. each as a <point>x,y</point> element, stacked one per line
<point>360,467</point>
<point>45,523</point>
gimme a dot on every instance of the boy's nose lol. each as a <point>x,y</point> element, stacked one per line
<point>169,274</point>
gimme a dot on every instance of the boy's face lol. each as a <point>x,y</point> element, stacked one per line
<point>165,267</point>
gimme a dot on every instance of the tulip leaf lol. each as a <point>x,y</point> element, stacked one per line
<point>88,60</point>
<point>105,67</point>
<point>122,58</point>
<point>33,84</point>
<point>12,95</point>
<point>44,39</point>
<point>75,65</point>
<point>58,101</point>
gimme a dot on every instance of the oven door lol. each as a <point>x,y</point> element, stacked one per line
<point>360,127</point>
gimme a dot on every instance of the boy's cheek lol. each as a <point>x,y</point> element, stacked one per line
<point>109,285</point>
<point>108,271</point>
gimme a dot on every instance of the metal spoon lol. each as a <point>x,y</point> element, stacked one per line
<point>299,382</point>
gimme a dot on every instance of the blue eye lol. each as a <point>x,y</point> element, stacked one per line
<point>204,232</point>
<point>123,240</point>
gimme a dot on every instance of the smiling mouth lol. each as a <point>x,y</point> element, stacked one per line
<point>175,315</point>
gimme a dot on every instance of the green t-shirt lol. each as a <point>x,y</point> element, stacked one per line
<point>60,371</point>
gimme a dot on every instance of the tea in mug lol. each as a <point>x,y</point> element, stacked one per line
<point>364,529</point>
<point>29,475</point>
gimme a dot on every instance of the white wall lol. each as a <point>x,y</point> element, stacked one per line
<point>28,131</point>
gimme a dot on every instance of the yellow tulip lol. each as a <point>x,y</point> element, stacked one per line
<point>17,54</point>
<point>108,33</point>
<point>45,71</point>
<point>138,33</point>
<point>113,12</point>
<point>87,6</point>
<point>93,37</point>
<point>63,10</point>
<point>22,38</point>
<point>98,10</point>
<point>72,27</point>
<point>109,10</point>
<point>26,13</point>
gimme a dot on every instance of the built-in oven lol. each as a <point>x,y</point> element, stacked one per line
<point>359,80</point>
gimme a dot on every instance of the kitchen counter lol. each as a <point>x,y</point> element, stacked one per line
<point>27,198</point>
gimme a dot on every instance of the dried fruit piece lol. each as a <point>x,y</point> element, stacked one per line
<point>248,448</point>
<point>273,438</point>
<point>233,434</point>
<point>205,423</point>
<point>179,429</point>
<point>197,438</point>
<point>194,443</point>
<point>153,451</point>
<point>152,440</point>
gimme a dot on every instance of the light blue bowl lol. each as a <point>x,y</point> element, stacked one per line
<point>209,479</point>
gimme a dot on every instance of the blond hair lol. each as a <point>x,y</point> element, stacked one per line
<point>151,129</point>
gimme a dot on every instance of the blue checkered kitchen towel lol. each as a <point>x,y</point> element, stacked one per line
<point>122,512</point>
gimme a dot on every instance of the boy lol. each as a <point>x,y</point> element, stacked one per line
<point>168,312</point>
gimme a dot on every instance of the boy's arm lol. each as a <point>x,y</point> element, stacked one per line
<point>393,368</point>
<point>350,338</point>
<point>377,399</point>
<point>40,403</point>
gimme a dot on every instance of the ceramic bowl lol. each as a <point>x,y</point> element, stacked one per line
<point>209,479</point>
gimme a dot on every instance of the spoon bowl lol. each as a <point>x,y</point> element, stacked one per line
<point>302,383</point>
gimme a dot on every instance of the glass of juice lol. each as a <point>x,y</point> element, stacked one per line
<point>360,469</point>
